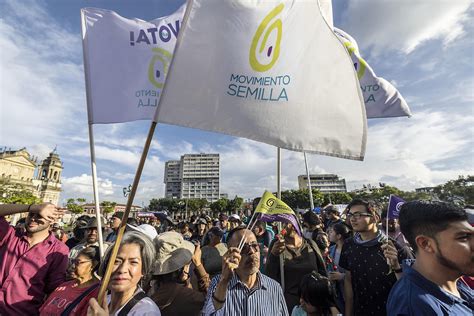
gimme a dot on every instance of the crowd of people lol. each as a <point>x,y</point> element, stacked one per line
<point>332,264</point>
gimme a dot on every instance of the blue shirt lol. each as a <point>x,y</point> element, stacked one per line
<point>414,295</point>
<point>264,299</point>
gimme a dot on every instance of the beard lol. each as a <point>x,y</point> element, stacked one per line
<point>40,226</point>
<point>444,261</point>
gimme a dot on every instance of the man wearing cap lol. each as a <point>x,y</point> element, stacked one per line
<point>92,238</point>
<point>78,232</point>
<point>241,289</point>
<point>115,222</point>
<point>32,262</point>
<point>171,274</point>
<point>234,221</point>
<point>332,216</point>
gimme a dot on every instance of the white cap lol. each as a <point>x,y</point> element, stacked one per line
<point>235,216</point>
<point>146,229</point>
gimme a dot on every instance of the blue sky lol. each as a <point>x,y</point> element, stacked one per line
<point>424,47</point>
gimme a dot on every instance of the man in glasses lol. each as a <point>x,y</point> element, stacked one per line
<point>32,262</point>
<point>371,260</point>
<point>241,289</point>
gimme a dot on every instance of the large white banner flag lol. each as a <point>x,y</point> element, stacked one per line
<point>271,71</point>
<point>381,98</point>
<point>125,63</point>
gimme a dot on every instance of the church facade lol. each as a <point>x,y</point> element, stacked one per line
<point>18,167</point>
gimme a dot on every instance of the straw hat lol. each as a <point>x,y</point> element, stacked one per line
<point>172,253</point>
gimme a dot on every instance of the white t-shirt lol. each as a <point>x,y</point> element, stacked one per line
<point>145,307</point>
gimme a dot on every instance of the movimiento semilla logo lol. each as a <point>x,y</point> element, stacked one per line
<point>272,51</point>
<point>158,67</point>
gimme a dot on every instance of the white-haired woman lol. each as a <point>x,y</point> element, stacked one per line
<point>133,263</point>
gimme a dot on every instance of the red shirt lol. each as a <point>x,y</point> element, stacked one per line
<point>64,295</point>
<point>27,274</point>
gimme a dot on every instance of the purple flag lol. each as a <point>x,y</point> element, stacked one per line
<point>394,205</point>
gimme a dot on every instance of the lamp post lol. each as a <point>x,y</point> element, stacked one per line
<point>127,190</point>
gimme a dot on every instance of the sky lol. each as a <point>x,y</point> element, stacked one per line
<point>424,47</point>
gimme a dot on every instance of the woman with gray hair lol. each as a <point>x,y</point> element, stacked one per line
<point>133,263</point>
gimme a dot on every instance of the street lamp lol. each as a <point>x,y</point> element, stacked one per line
<point>127,190</point>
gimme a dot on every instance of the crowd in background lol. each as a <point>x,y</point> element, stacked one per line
<point>341,263</point>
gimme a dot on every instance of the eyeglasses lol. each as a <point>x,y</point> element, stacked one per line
<point>77,262</point>
<point>358,215</point>
<point>246,248</point>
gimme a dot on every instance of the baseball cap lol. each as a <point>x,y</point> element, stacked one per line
<point>118,215</point>
<point>146,229</point>
<point>234,217</point>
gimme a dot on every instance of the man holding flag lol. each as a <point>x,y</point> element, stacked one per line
<point>300,255</point>
<point>390,221</point>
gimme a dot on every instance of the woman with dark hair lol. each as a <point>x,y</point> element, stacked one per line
<point>316,297</point>
<point>338,233</point>
<point>72,297</point>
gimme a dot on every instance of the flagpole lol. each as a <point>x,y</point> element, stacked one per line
<point>311,202</point>
<point>123,224</point>
<point>282,268</point>
<point>386,223</point>
<point>91,141</point>
<point>131,196</point>
<point>95,188</point>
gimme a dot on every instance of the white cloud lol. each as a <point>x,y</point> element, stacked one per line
<point>404,25</point>
<point>81,186</point>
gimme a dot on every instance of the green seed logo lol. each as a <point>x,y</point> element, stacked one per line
<point>158,67</point>
<point>271,50</point>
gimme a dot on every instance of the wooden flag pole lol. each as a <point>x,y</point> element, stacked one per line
<point>311,202</point>
<point>282,267</point>
<point>131,196</point>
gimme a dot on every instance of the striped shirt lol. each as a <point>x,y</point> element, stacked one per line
<point>265,298</point>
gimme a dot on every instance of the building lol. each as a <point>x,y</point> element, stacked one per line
<point>173,179</point>
<point>17,168</point>
<point>89,209</point>
<point>425,190</point>
<point>198,177</point>
<point>326,183</point>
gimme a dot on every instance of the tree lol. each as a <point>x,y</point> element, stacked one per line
<point>107,206</point>
<point>197,205</point>
<point>14,193</point>
<point>219,206</point>
<point>235,204</point>
<point>459,191</point>
<point>73,206</point>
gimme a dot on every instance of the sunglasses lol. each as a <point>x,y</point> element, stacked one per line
<point>246,248</point>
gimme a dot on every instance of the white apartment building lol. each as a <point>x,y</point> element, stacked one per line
<point>326,183</point>
<point>198,177</point>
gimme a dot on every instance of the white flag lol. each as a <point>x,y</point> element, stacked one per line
<point>125,62</point>
<point>381,98</point>
<point>271,71</point>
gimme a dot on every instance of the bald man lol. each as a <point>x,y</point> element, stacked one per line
<point>241,289</point>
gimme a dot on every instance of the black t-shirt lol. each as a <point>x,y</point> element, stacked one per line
<point>370,283</point>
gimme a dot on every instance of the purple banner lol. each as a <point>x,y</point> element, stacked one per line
<point>394,206</point>
<point>285,218</point>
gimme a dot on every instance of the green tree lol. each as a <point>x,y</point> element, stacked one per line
<point>197,205</point>
<point>73,206</point>
<point>235,204</point>
<point>459,191</point>
<point>219,206</point>
<point>107,206</point>
<point>14,193</point>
